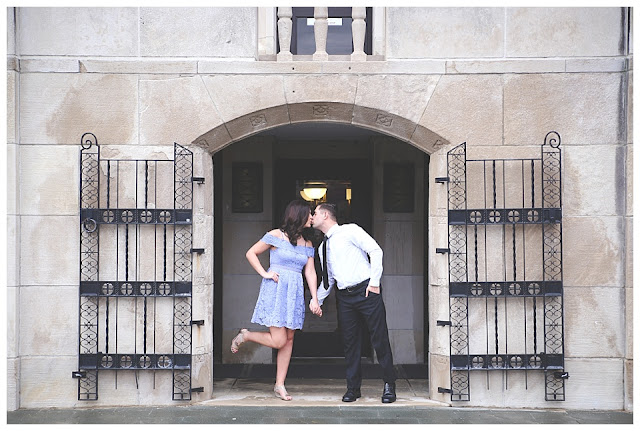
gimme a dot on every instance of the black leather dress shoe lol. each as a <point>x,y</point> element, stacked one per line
<point>389,393</point>
<point>351,395</point>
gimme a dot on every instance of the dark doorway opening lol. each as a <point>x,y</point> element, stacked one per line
<point>348,186</point>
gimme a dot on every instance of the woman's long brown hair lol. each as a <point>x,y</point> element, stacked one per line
<point>295,217</point>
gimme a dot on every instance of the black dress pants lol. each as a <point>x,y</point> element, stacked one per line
<point>354,309</point>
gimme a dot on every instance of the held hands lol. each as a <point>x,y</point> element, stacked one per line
<point>373,289</point>
<point>315,307</point>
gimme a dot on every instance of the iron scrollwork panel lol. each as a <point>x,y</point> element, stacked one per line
<point>505,251</point>
<point>135,254</point>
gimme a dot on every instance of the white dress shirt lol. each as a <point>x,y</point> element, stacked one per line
<point>348,246</point>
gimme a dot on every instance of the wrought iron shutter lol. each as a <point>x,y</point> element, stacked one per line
<point>135,253</point>
<point>514,223</point>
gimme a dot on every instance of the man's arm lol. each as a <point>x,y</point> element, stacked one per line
<point>369,245</point>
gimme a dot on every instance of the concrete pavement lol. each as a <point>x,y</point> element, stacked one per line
<point>316,401</point>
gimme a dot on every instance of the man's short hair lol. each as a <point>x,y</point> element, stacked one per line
<point>330,208</point>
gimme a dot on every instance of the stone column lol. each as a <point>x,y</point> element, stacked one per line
<point>320,30</point>
<point>358,29</point>
<point>284,33</point>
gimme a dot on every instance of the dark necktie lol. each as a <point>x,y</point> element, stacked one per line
<point>325,272</point>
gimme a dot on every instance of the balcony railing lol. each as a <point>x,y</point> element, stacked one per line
<point>320,30</point>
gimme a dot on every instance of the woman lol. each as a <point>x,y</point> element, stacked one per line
<point>281,304</point>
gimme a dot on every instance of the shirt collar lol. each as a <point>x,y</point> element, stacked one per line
<point>331,231</point>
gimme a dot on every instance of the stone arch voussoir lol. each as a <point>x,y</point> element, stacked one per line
<point>381,121</point>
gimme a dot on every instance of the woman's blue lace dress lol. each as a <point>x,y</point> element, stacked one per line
<point>282,304</point>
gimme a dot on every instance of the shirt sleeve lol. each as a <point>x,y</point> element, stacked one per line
<point>369,245</point>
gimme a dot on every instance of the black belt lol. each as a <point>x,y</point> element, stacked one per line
<point>355,287</point>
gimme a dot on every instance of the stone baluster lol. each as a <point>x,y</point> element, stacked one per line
<point>320,30</point>
<point>358,30</point>
<point>284,34</point>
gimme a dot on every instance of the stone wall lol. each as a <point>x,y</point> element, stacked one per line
<point>497,78</point>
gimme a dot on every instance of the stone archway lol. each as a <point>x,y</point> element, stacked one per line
<point>392,105</point>
<point>256,116</point>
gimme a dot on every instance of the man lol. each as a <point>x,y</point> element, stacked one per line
<point>358,296</point>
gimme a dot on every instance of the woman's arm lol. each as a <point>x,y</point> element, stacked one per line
<point>312,282</point>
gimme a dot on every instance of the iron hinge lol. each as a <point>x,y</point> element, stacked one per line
<point>443,322</point>
<point>561,375</point>
<point>200,389</point>
<point>199,180</point>
<point>442,180</point>
<point>444,390</point>
<point>197,322</point>
<point>442,250</point>
<point>78,374</point>
<point>197,250</point>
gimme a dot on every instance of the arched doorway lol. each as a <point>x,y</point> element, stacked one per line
<point>257,176</point>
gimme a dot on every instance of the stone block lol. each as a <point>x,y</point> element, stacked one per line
<point>596,65</point>
<point>628,385</point>
<point>506,66</point>
<point>13,167</point>
<point>202,193</point>
<point>59,309</point>
<point>404,302</point>
<point>557,32</point>
<point>629,180</point>
<point>593,251</point>
<point>320,88</point>
<point>438,262</point>
<point>202,309</point>
<point>594,180</point>
<point>42,240</point>
<point>175,110</point>
<point>45,382</point>
<point>13,250</point>
<point>466,108</point>
<point>12,107</point>
<point>407,346</point>
<point>11,31</point>
<point>198,32</point>
<point>321,112</point>
<point>403,95</point>
<point>628,252</point>
<point>630,107</point>
<point>224,66</point>
<point>427,141</point>
<point>628,312</point>
<point>257,122</point>
<point>13,333</point>
<point>57,108</point>
<point>583,108</point>
<point>601,390</point>
<point>88,31</point>
<point>384,122</point>
<point>49,179</point>
<point>138,66</point>
<point>202,376</point>
<point>439,377</point>
<point>13,384</point>
<point>594,325</point>
<point>238,95</point>
<point>445,32</point>
<point>57,65</point>
<point>584,389</point>
<point>439,340</point>
<point>214,140</point>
